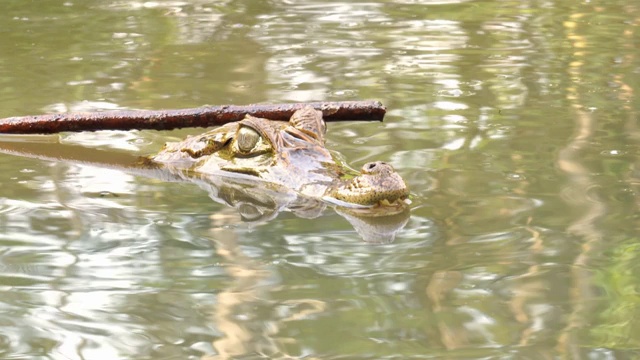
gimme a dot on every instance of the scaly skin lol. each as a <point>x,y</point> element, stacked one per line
<point>291,154</point>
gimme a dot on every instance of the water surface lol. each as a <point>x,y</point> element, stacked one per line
<point>515,124</point>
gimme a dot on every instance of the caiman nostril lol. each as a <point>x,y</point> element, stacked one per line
<point>376,166</point>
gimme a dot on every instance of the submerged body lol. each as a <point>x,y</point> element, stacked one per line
<point>290,154</point>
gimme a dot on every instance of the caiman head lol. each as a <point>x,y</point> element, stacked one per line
<point>290,154</point>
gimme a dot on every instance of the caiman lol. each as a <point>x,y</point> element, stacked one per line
<point>291,154</point>
<point>262,167</point>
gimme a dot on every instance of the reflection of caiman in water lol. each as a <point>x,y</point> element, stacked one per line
<point>262,167</point>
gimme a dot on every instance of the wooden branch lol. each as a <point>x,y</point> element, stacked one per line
<point>172,119</point>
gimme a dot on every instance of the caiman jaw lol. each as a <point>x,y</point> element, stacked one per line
<point>377,184</point>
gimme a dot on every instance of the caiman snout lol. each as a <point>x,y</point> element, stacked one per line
<point>378,183</point>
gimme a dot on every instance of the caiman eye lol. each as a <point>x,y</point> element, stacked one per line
<point>247,139</point>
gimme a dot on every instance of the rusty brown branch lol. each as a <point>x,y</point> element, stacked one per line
<point>172,119</point>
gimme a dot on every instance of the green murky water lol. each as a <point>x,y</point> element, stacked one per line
<point>515,123</point>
